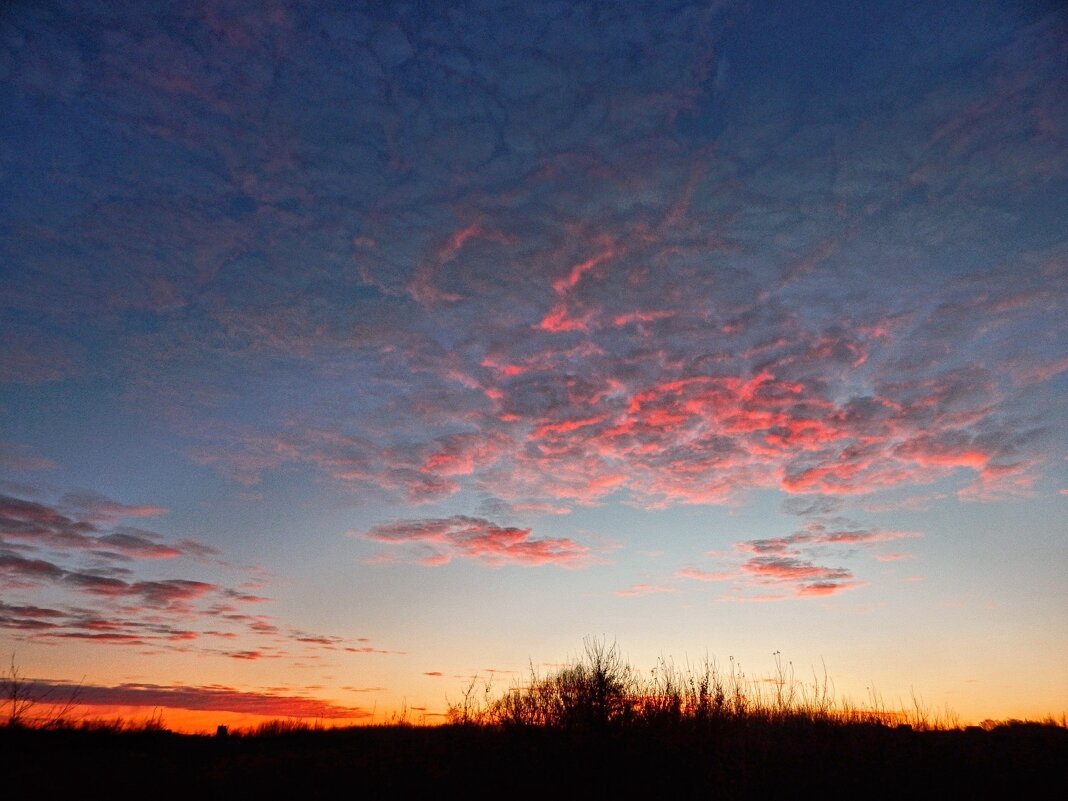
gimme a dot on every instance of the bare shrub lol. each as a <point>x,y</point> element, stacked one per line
<point>598,690</point>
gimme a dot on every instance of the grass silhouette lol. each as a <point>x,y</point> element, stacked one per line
<point>599,689</point>
<point>595,727</point>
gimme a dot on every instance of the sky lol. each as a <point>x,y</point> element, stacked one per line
<point>351,350</point>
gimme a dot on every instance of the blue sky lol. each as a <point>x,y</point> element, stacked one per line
<point>347,344</point>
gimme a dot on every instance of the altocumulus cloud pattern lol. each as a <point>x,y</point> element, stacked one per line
<point>465,269</point>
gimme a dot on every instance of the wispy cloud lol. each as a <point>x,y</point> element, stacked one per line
<point>896,556</point>
<point>644,589</point>
<point>87,522</point>
<point>440,540</point>
<point>79,549</point>
<point>704,575</point>
<point>915,503</point>
<point>213,698</point>
<point>795,561</point>
<point>21,458</point>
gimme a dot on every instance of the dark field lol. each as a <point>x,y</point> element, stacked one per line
<point>736,759</point>
<point>593,729</point>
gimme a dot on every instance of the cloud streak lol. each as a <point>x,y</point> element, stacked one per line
<point>438,541</point>
<point>644,589</point>
<point>211,698</point>
<point>793,562</point>
<point>86,522</point>
<point>77,548</point>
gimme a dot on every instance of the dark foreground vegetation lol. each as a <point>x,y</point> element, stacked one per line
<point>591,730</point>
<point>735,760</point>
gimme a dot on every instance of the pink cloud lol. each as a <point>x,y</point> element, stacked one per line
<point>461,236</point>
<point>757,598</point>
<point>945,451</point>
<point>893,557</point>
<point>560,320</point>
<point>479,539</point>
<point>462,454</point>
<point>139,544</point>
<point>565,426</point>
<point>96,508</point>
<point>32,356</point>
<point>539,507</point>
<point>703,575</point>
<point>110,602</point>
<point>773,401</point>
<point>214,698</point>
<point>643,589</point>
<point>791,560</point>
<point>19,457</point>
<point>171,591</point>
<point>999,481</point>
<point>863,536</point>
<point>815,533</point>
<point>821,588</point>
<point>918,503</point>
<point>785,568</point>
<point>579,269</point>
<point>457,240</point>
<point>630,318</point>
<point>424,289</point>
<point>88,525</point>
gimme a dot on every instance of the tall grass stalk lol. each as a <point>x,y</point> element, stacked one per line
<point>599,690</point>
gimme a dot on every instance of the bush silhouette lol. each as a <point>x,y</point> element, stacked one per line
<point>599,690</point>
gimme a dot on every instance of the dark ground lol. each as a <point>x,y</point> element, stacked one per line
<point>727,761</point>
